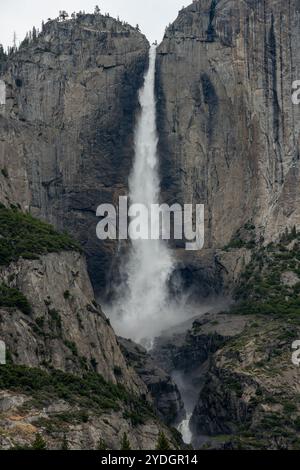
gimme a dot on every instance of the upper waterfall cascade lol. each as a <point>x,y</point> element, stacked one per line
<point>150,263</point>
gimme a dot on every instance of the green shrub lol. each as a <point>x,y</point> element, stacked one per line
<point>39,443</point>
<point>289,408</point>
<point>75,417</point>
<point>234,384</point>
<point>21,447</point>
<point>4,172</point>
<point>135,418</point>
<point>271,422</point>
<point>235,243</point>
<point>162,442</point>
<point>125,444</point>
<point>72,346</point>
<point>102,445</point>
<point>55,318</point>
<point>118,371</point>
<point>243,238</point>
<point>67,294</point>
<point>13,298</point>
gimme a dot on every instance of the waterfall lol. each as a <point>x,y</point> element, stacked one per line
<point>143,308</point>
<point>184,429</point>
<point>142,311</point>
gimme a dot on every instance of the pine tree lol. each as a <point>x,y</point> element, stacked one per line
<point>39,443</point>
<point>162,442</point>
<point>125,444</point>
<point>63,15</point>
<point>65,444</point>
<point>102,445</point>
<point>3,57</point>
<point>15,41</point>
<point>97,10</point>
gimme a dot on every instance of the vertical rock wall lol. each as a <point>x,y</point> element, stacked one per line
<point>229,133</point>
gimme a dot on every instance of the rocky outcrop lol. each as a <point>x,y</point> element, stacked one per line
<point>188,346</point>
<point>66,134</point>
<point>249,400</point>
<point>229,133</point>
<point>77,426</point>
<point>163,390</point>
<point>238,380</point>
<point>66,329</point>
<point>185,351</point>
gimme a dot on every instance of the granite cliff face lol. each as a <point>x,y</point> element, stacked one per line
<point>229,133</point>
<point>66,329</point>
<point>67,128</point>
<point>66,146</point>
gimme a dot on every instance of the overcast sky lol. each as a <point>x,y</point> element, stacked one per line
<point>152,15</point>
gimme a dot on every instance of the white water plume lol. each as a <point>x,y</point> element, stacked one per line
<point>142,312</point>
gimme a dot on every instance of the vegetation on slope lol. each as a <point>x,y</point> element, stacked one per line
<point>254,372</point>
<point>13,298</point>
<point>21,235</point>
<point>243,238</point>
<point>263,289</point>
<point>256,376</point>
<point>90,392</point>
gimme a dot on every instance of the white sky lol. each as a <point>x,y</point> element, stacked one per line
<point>152,15</point>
